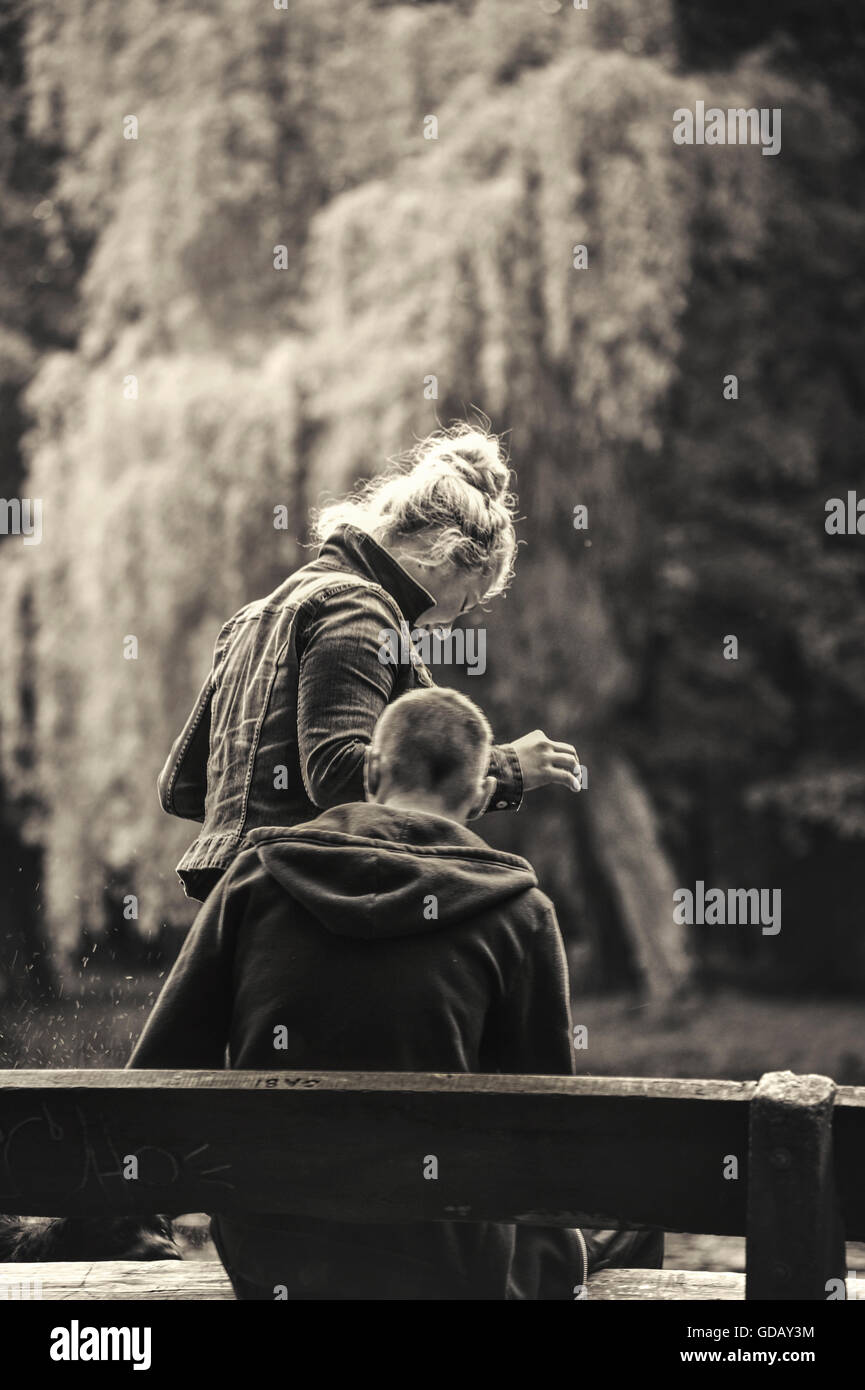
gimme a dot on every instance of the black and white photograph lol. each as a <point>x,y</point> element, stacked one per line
<point>432,671</point>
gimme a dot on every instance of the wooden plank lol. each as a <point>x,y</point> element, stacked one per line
<point>848,1136</point>
<point>550,1150</point>
<point>671,1088</point>
<point>679,1285</point>
<point>205,1281</point>
<point>191,1281</point>
<point>665,1285</point>
<point>542,1150</point>
<point>795,1239</point>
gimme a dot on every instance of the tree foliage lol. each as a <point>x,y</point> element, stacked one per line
<point>454,258</point>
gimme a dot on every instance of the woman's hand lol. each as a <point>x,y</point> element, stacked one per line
<point>542,761</point>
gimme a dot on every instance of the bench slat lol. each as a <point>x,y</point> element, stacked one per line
<point>354,1146</point>
<point>190,1281</point>
<point>205,1280</point>
<point>665,1285</point>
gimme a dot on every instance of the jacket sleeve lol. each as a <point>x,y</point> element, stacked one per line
<point>191,1020</point>
<point>343,688</point>
<point>182,783</point>
<point>505,767</point>
<point>535,1036</point>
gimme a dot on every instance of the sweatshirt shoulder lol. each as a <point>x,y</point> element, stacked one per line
<point>533,914</point>
<point>247,874</point>
<point>542,907</point>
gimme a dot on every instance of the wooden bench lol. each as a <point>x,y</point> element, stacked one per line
<point>780,1161</point>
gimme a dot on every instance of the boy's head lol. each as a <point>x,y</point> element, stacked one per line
<point>430,751</point>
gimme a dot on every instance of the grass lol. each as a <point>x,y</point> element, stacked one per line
<point>725,1035</point>
<point>729,1034</point>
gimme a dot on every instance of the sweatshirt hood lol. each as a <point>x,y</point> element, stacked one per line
<point>376,872</point>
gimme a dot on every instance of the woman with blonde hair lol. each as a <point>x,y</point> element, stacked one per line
<point>282,724</point>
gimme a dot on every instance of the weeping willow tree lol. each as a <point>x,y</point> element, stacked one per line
<point>296,269</point>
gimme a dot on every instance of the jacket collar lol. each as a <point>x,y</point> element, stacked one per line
<point>349,547</point>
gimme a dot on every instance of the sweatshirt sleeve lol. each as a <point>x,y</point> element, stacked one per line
<point>536,1034</point>
<point>191,1020</point>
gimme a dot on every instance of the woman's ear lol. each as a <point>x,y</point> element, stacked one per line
<point>485,796</point>
<point>371,773</point>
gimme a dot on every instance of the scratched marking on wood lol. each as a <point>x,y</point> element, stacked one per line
<point>80,1152</point>
<point>273,1082</point>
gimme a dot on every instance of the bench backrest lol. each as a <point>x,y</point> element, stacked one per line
<point>778,1161</point>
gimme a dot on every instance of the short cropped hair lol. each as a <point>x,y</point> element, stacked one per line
<point>434,741</point>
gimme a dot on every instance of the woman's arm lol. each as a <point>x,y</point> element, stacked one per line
<point>343,688</point>
<point>505,767</point>
<point>531,761</point>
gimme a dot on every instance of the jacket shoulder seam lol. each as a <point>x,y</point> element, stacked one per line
<point>354,582</point>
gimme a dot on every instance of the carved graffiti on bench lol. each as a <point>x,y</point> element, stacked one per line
<point>272,1082</point>
<point>86,1154</point>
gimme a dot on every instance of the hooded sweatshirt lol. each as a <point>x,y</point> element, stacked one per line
<point>380,940</point>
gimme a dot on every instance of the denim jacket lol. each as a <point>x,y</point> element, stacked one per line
<point>281,725</point>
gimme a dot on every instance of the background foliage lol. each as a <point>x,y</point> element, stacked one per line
<point>453,257</point>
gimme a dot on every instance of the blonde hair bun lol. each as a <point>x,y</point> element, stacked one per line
<point>475,456</point>
<point>453,485</point>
